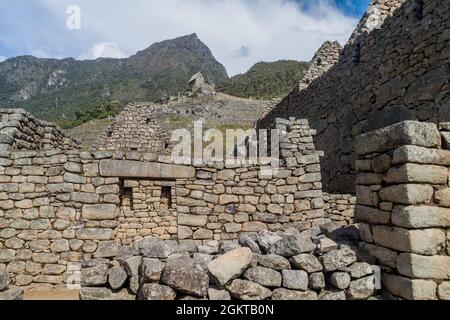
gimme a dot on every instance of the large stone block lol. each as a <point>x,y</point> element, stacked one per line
<point>427,241</point>
<point>135,169</point>
<point>400,134</point>
<point>99,212</point>
<point>424,267</point>
<point>407,194</point>
<point>182,276</point>
<point>247,290</point>
<point>410,289</point>
<point>442,197</point>
<point>192,220</point>
<point>372,215</point>
<point>230,265</point>
<point>415,154</point>
<point>95,234</point>
<point>421,217</point>
<point>411,172</point>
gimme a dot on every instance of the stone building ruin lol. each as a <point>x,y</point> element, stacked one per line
<point>363,185</point>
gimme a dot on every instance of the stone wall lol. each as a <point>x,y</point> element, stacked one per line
<point>266,266</point>
<point>20,130</point>
<point>340,208</point>
<point>60,207</point>
<point>399,71</point>
<point>135,129</point>
<point>404,206</point>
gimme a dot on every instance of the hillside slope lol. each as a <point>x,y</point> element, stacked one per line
<point>266,80</point>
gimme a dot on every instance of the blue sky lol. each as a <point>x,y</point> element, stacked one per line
<point>239,32</point>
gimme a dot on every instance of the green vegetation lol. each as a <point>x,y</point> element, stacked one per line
<point>64,91</point>
<point>101,111</point>
<point>266,80</point>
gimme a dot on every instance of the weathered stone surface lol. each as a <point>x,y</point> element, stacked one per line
<point>135,169</point>
<point>107,249</point>
<point>266,239</point>
<point>428,241</point>
<point>410,289</point>
<point>290,295</point>
<point>152,269</point>
<point>182,277</point>
<point>337,259</point>
<point>99,212</point>
<point>316,281</point>
<point>250,242</point>
<point>132,265</point>
<point>404,133</point>
<point>416,173</point>
<point>295,279</point>
<point>95,234</point>
<point>264,276</point>
<point>442,197</point>
<point>290,246</point>
<point>246,290</point>
<point>444,291</point>
<point>218,295</point>
<point>157,249</point>
<point>306,262</point>
<point>361,289</point>
<point>154,291</point>
<point>340,280</point>
<point>45,257</point>
<point>327,245</point>
<point>383,255</point>
<point>11,294</point>
<point>407,194</point>
<point>273,261</point>
<point>424,267</point>
<point>372,215</point>
<point>95,276</point>
<point>7,255</point>
<point>332,295</point>
<point>4,280</point>
<point>359,270</point>
<point>230,266</point>
<point>117,277</point>
<point>414,154</point>
<point>420,216</point>
<point>192,220</point>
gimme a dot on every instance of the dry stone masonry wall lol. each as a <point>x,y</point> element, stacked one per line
<point>20,130</point>
<point>135,129</point>
<point>277,266</point>
<point>399,71</point>
<point>403,196</point>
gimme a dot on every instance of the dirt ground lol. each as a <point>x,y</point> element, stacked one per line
<point>52,295</point>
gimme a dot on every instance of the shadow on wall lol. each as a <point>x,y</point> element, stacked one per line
<point>402,72</point>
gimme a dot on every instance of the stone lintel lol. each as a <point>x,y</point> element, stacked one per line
<point>136,169</point>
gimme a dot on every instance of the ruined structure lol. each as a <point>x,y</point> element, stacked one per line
<point>199,87</point>
<point>20,130</point>
<point>137,226</point>
<point>135,129</point>
<point>392,71</point>
<point>404,201</point>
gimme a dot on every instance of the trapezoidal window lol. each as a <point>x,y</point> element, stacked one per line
<point>126,198</point>
<point>166,198</point>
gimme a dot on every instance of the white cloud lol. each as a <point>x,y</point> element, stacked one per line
<point>272,30</point>
<point>104,50</point>
<point>2,58</point>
